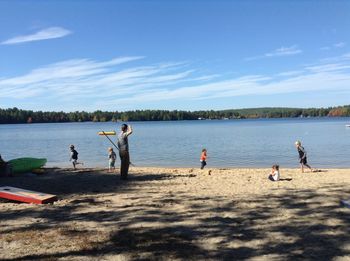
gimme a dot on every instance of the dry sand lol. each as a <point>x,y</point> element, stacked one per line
<point>179,214</point>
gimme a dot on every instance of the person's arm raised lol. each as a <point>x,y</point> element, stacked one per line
<point>129,131</point>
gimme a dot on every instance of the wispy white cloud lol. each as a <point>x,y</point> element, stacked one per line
<point>290,73</point>
<point>329,67</point>
<point>115,84</point>
<point>312,81</point>
<point>91,79</point>
<point>339,45</point>
<point>333,46</point>
<point>345,57</point>
<point>282,51</point>
<point>45,34</point>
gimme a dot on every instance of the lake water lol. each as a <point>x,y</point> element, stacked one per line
<point>230,143</point>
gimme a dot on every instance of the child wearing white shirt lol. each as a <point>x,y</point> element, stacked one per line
<point>275,173</point>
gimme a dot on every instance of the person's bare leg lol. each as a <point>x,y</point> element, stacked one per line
<point>307,165</point>
<point>302,168</point>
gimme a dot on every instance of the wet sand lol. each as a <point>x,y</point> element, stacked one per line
<point>179,214</point>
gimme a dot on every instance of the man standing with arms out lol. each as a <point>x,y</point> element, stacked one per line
<point>123,146</point>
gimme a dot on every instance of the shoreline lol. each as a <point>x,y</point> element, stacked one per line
<point>105,166</point>
<point>185,120</point>
<point>179,214</point>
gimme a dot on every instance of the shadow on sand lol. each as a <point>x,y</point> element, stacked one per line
<point>239,228</point>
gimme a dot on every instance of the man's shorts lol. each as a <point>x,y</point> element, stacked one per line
<point>111,163</point>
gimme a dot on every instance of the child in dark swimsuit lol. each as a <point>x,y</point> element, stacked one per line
<point>74,156</point>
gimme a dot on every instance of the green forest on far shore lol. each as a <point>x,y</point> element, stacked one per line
<point>15,115</point>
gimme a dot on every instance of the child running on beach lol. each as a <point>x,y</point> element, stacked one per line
<point>275,173</point>
<point>302,156</point>
<point>74,156</point>
<point>203,158</point>
<point>111,159</point>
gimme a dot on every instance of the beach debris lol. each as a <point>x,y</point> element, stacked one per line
<point>209,172</point>
<point>345,203</point>
<point>39,171</point>
<point>26,196</point>
<point>30,175</point>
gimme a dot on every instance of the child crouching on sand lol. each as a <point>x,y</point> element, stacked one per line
<point>111,159</point>
<point>203,158</point>
<point>275,173</point>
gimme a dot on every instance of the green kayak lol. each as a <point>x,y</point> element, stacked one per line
<point>26,164</point>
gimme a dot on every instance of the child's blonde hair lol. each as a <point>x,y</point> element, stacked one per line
<point>298,143</point>
<point>110,149</point>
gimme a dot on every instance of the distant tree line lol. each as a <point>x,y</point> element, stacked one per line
<point>15,115</point>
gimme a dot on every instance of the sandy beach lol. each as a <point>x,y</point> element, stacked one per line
<point>179,214</point>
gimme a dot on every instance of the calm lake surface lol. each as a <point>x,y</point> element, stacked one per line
<point>230,143</point>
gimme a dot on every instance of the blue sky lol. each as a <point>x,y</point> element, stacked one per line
<point>188,55</point>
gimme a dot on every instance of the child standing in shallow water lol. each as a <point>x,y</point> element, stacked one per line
<point>111,159</point>
<point>275,173</point>
<point>203,158</point>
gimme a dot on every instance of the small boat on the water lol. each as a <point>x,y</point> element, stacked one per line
<point>21,165</point>
<point>347,125</point>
